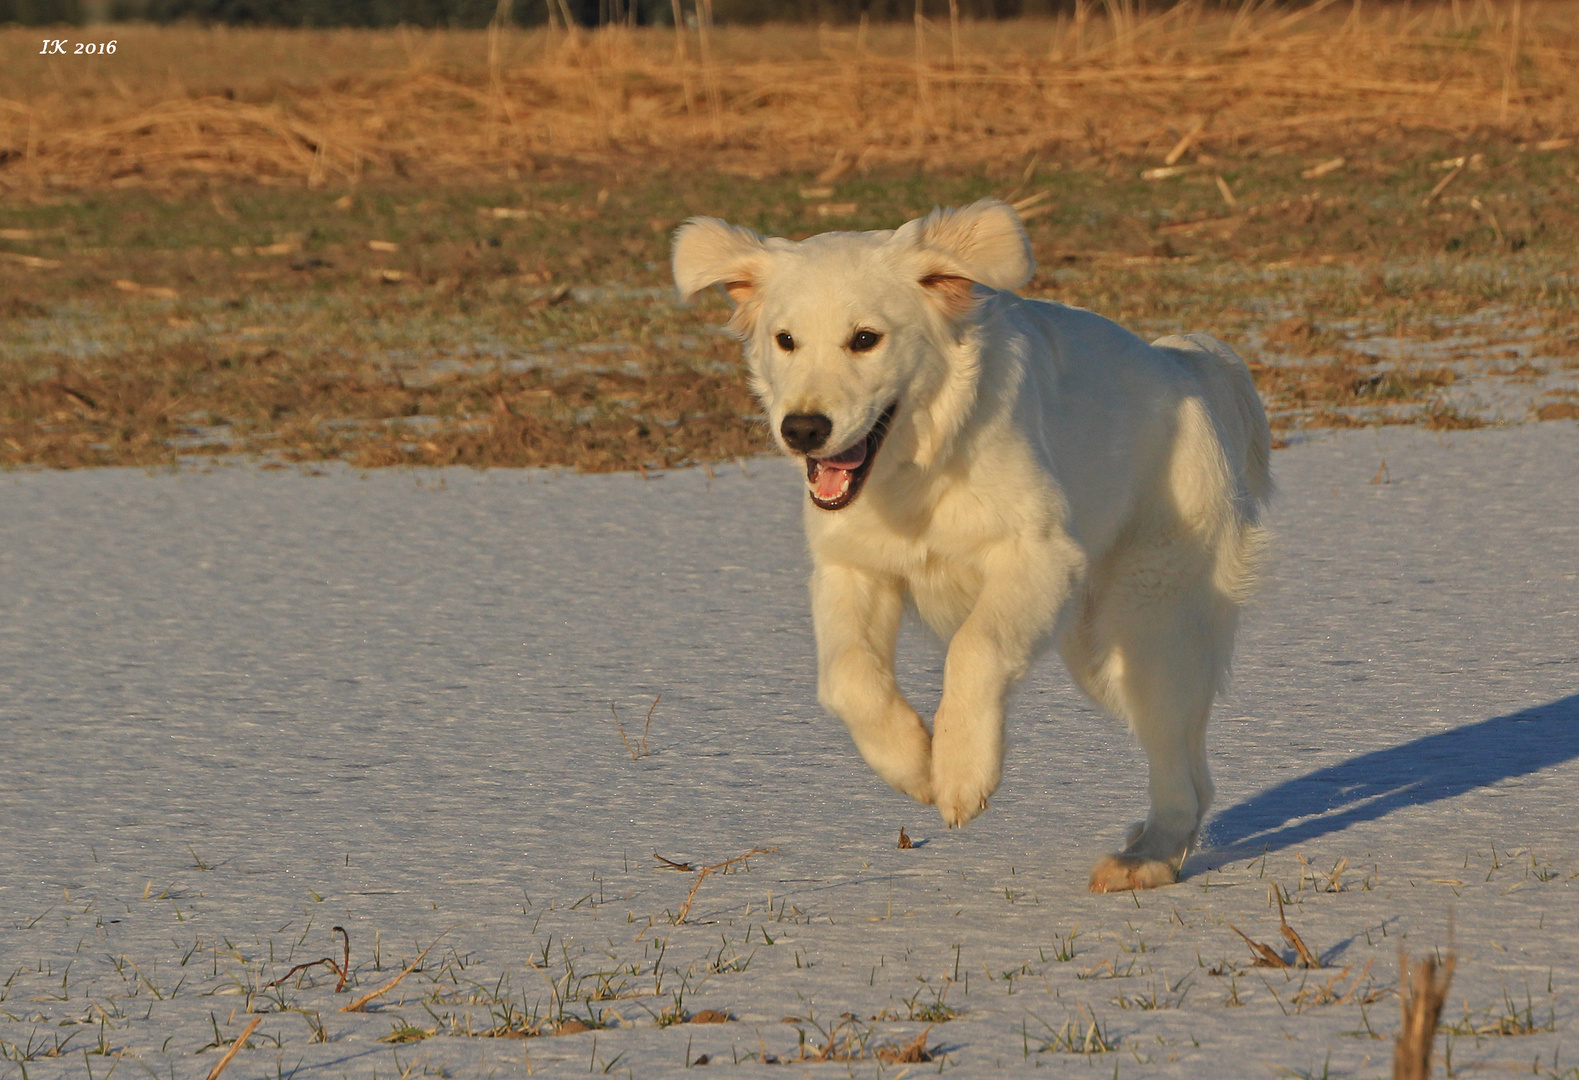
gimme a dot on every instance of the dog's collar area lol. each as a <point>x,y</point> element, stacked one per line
<point>834,485</point>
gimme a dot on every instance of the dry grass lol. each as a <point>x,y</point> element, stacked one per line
<point>850,1040</point>
<point>1333,992</point>
<point>1347,379</point>
<point>1075,1036</point>
<point>1266,956</point>
<point>389,248</point>
<point>703,872</point>
<point>336,107</point>
<point>138,408</point>
<point>1422,997</point>
<point>310,355</point>
<point>638,749</point>
<point>235,1047</point>
<point>361,1003</point>
<point>341,968</point>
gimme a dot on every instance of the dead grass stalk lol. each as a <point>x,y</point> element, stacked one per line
<point>497,103</point>
<point>702,874</point>
<point>1422,995</point>
<point>640,749</point>
<point>235,1048</point>
<point>341,969</point>
<point>361,1003</point>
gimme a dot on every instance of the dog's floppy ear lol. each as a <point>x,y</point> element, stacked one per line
<point>708,251</point>
<point>983,243</point>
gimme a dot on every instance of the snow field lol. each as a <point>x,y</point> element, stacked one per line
<point>241,707</point>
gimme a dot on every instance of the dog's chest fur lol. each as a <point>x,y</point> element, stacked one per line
<point>935,539</point>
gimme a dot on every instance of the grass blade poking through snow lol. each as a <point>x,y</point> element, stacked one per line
<point>361,1002</point>
<point>235,1047</point>
<point>701,875</point>
<point>342,970</point>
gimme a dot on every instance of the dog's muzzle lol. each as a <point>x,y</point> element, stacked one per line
<point>837,479</point>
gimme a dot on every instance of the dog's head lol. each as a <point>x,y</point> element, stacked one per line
<point>851,336</point>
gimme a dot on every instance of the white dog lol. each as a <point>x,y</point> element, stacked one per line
<point>1024,473</point>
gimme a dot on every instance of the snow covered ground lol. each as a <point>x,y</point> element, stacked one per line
<point>241,707</point>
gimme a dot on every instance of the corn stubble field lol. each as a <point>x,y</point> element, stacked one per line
<point>451,248</point>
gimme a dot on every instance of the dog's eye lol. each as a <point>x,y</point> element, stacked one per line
<point>786,342</point>
<point>865,340</point>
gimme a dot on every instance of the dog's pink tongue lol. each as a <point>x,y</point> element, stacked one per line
<point>850,459</point>
<point>830,482</point>
<point>834,472</point>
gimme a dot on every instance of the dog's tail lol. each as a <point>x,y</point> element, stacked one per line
<point>1245,416</point>
<point>1245,439</point>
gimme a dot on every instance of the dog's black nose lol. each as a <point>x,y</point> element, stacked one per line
<point>806,431</point>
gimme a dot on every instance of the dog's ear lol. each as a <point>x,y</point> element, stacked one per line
<point>708,251</point>
<point>983,243</point>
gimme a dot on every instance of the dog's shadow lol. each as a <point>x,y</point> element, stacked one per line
<point>1373,785</point>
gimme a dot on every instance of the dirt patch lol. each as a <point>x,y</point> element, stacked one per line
<point>151,408</point>
<point>203,305</point>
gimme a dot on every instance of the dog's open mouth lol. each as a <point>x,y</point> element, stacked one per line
<point>836,480</point>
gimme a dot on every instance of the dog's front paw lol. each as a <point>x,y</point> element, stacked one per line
<point>903,758</point>
<point>966,765</point>
<point>917,783</point>
<point>1122,873</point>
<point>960,800</point>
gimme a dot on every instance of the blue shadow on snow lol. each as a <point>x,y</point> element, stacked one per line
<point>1373,785</point>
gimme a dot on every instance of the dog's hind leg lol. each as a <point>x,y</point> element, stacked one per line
<point>1165,639</point>
<point>856,614</point>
